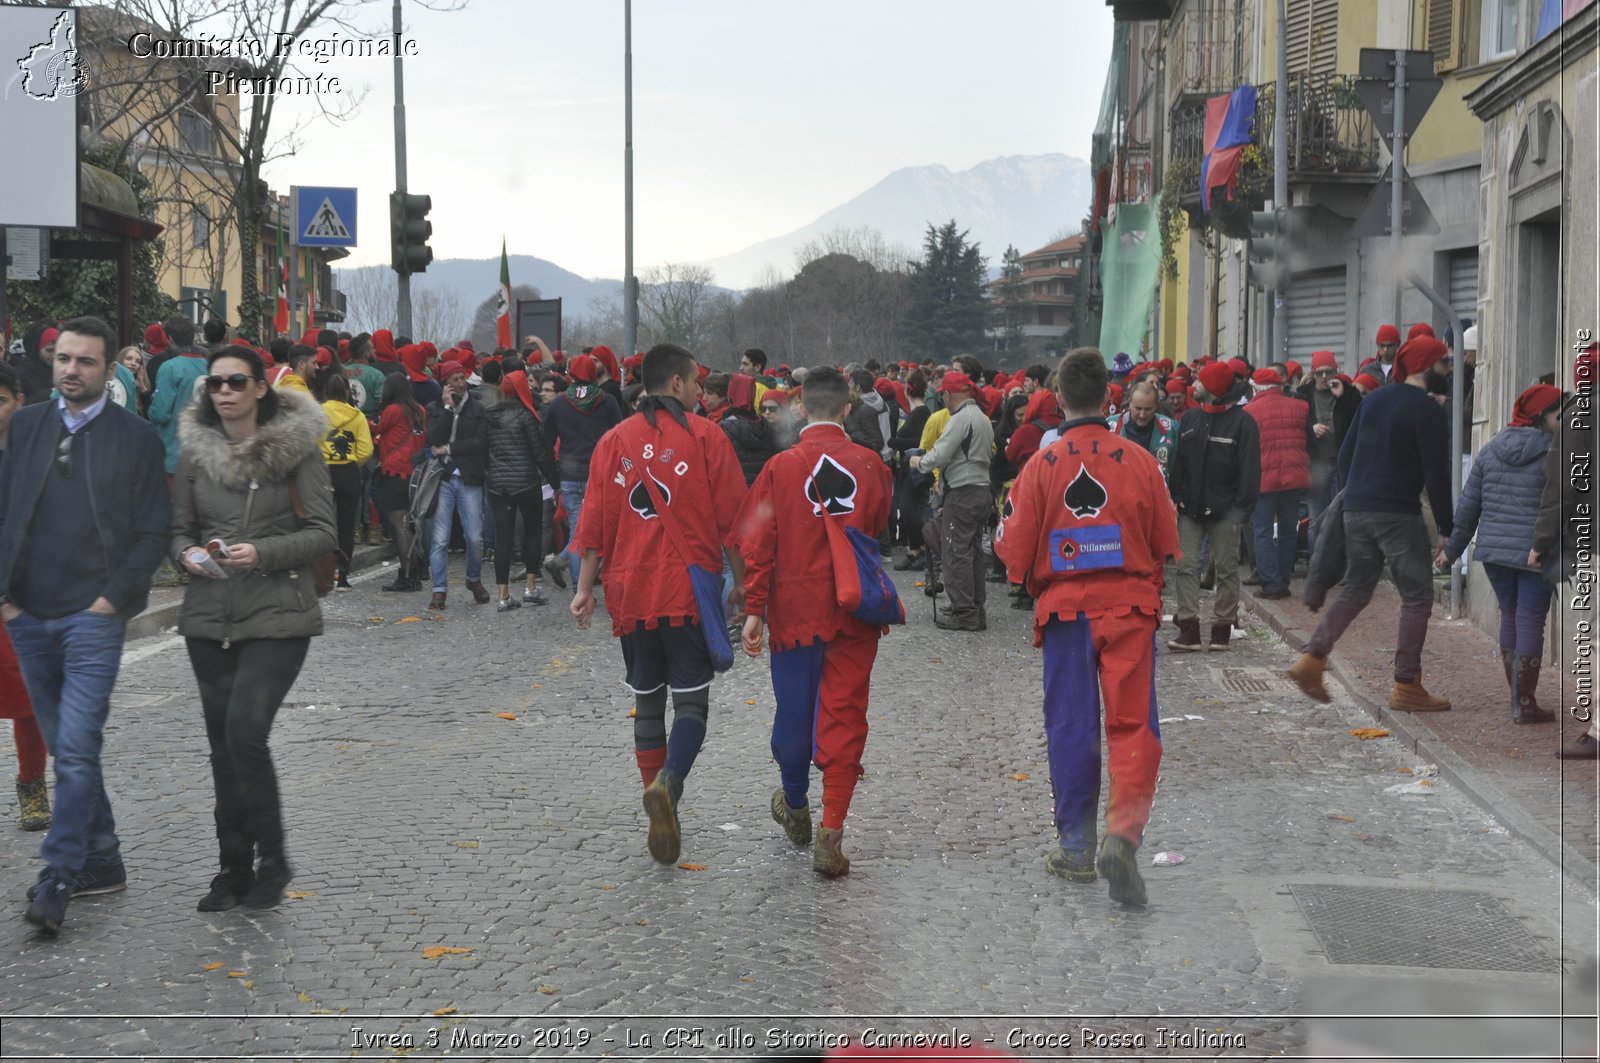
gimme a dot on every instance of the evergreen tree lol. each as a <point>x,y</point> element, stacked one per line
<point>1009,297</point>
<point>948,314</point>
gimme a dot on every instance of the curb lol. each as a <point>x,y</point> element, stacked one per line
<point>1425,742</point>
<point>165,617</point>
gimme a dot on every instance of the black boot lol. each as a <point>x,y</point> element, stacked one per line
<point>272,876</point>
<point>1188,640</point>
<point>1524,704</point>
<point>228,889</point>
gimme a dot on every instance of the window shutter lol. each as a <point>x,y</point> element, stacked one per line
<point>1444,33</point>
<point>1313,29</point>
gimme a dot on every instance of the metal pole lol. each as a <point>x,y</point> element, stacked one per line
<point>1280,180</point>
<point>5,311</point>
<point>630,285</point>
<point>1457,436</point>
<point>293,247</point>
<point>402,313</point>
<point>1397,174</point>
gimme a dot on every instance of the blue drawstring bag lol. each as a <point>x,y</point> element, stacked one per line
<point>713,619</point>
<point>862,586</point>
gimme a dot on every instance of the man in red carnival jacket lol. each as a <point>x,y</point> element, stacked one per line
<point>1088,526</point>
<point>695,473</point>
<point>821,655</point>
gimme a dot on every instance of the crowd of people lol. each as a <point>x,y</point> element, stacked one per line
<point>715,511</point>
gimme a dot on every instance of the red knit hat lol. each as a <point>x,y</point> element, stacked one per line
<point>1419,354</point>
<point>155,339</point>
<point>955,381</point>
<point>450,369</point>
<point>324,357</point>
<point>1324,360</point>
<point>1268,377</point>
<point>1368,382</point>
<point>603,355</point>
<point>1533,404</point>
<point>1421,328</point>
<point>584,369</point>
<point>1388,334</point>
<point>1294,368</point>
<point>1217,378</point>
<point>344,350</point>
<point>1239,366</point>
<point>1175,386</point>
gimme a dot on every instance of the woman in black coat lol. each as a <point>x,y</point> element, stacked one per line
<point>520,465</point>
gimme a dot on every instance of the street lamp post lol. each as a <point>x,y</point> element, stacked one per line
<point>630,285</point>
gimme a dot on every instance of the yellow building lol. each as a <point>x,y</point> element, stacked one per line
<point>157,112</point>
<point>1343,286</point>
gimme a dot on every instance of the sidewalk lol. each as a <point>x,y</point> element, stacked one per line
<point>165,602</point>
<point>1509,770</point>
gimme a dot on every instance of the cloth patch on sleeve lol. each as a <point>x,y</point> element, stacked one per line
<point>1085,548</point>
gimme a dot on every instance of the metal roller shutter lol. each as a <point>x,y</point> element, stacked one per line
<point>1317,314</point>
<point>1464,284</point>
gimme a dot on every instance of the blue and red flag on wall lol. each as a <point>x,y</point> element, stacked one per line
<point>1554,13</point>
<point>1228,121</point>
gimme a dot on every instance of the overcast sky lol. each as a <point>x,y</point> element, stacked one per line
<point>751,118</point>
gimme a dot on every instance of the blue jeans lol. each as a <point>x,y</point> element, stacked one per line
<point>1278,510</point>
<point>572,492</point>
<point>457,496</point>
<point>70,665</point>
<point>1524,599</point>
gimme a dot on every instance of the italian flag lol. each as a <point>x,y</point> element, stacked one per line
<point>280,320</point>
<point>502,317</point>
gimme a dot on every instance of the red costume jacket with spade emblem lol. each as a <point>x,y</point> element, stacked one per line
<point>788,571</point>
<point>698,476</point>
<point>1088,525</point>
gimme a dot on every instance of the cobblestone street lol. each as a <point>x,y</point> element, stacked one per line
<point>420,817</point>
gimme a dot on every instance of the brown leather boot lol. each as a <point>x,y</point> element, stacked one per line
<point>1411,697</point>
<point>436,603</point>
<point>1307,675</point>
<point>480,593</point>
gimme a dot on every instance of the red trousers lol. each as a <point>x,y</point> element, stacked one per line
<point>822,692</point>
<point>15,706</point>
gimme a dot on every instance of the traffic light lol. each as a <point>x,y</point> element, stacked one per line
<point>409,229</point>
<point>1269,249</point>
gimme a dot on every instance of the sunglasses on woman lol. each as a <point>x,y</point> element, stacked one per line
<point>236,382</point>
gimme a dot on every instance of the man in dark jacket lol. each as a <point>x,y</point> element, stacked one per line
<point>458,432</point>
<point>868,420</point>
<point>1398,444</point>
<point>747,430</point>
<point>577,418</point>
<point>1331,407</point>
<point>1215,478</point>
<point>83,525</point>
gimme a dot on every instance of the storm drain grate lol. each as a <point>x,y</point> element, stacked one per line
<point>1419,928</point>
<point>1252,680</point>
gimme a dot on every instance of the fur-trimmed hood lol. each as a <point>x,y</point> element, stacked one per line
<point>276,450</point>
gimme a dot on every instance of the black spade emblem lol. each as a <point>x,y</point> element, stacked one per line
<point>831,487</point>
<point>1007,509</point>
<point>1085,496</point>
<point>639,498</point>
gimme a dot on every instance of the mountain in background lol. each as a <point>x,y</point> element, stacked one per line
<point>472,280</point>
<point>1025,200</point>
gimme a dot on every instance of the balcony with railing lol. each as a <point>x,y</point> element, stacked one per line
<point>1207,46</point>
<point>1331,139</point>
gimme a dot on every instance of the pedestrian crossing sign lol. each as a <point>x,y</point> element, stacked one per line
<point>324,217</point>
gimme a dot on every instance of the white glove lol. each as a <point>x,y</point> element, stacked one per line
<point>548,493</point>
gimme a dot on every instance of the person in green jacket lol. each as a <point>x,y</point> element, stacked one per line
<point>252,510</point>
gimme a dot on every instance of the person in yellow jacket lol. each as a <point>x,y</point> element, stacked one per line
<point>346,445</point>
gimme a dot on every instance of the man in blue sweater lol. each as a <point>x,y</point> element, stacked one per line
<point>1398,444</point>
<point>83,524</point>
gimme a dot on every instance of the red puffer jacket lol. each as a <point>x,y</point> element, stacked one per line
<point>1285,459</point>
